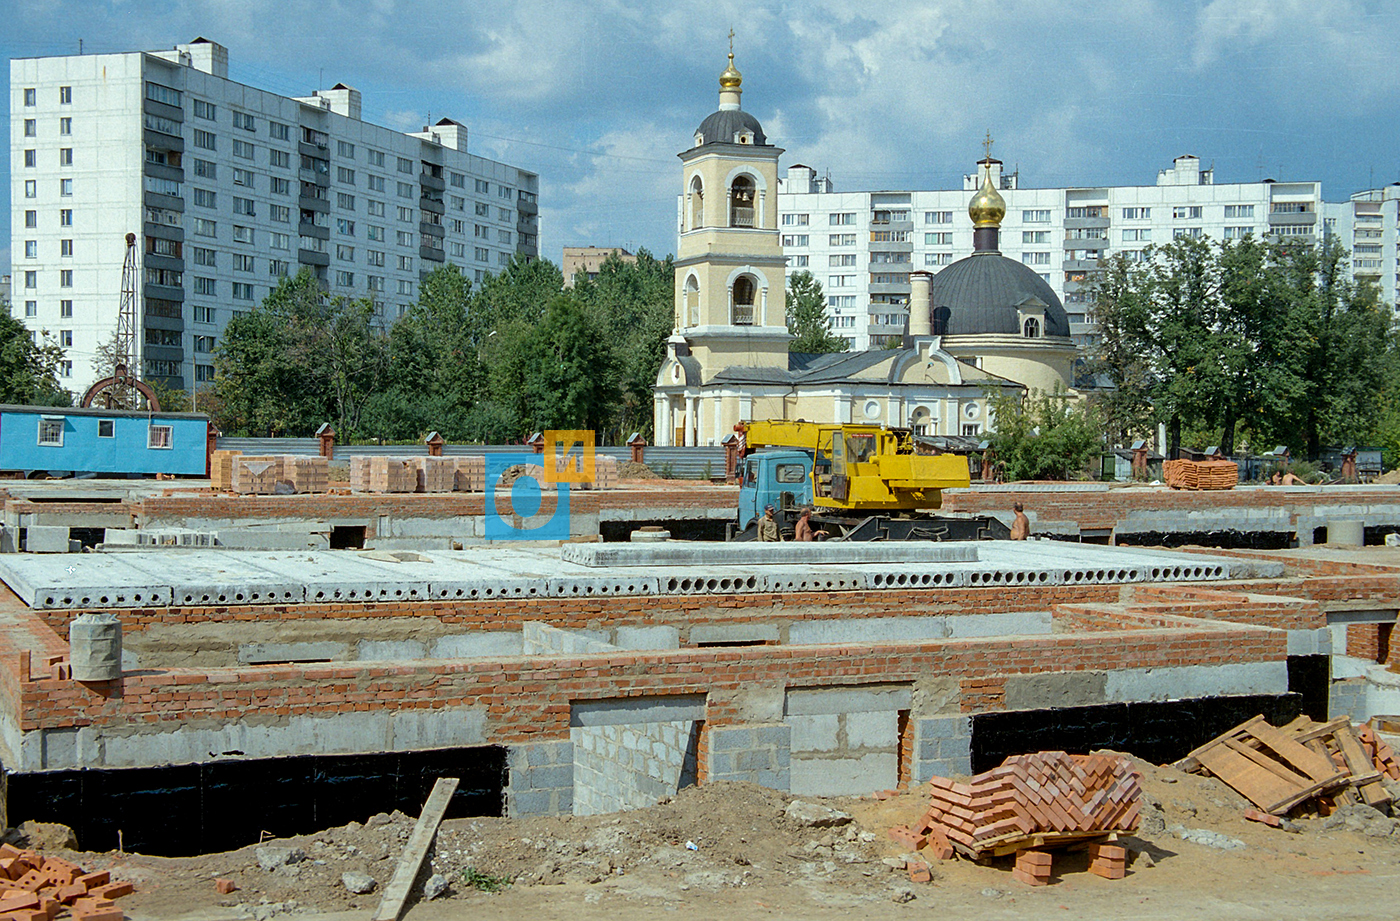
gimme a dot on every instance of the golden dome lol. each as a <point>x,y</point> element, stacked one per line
<point>987,207</point>
<point>731,79</point>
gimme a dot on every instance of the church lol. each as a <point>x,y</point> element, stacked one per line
<point>983,325</point>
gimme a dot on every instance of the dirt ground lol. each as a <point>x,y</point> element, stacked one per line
<point>732,851</point>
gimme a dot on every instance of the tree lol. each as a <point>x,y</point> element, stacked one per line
<point>806,317</point>
<point>1044,436</point>
<point>29,370</point>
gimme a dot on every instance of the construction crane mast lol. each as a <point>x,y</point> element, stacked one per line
<point>123,389</point>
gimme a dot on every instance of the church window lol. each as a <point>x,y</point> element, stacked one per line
<point>1032,328</point>
<point>741,202</point>
<point>743,295</point>
<point>692,301</point>
<point>697,203</point>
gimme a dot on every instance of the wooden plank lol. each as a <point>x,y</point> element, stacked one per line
<point>396,894</point>
<point>1255,783</point>
<point>1296,754</point>
<point>1319,730</point>
<point>1285,772</point>
<point>1193,763</point>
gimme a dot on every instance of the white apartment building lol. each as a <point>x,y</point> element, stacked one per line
<point>1369,225</point>
<point>862,245</point>
<point>228,189</point>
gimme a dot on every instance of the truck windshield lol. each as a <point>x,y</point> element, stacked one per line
<point>790,473</point>
<point>750,473</point>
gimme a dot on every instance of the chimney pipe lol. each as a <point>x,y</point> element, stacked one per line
<point>920,310</point>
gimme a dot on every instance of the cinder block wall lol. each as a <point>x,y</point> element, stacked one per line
<point>627,766</point>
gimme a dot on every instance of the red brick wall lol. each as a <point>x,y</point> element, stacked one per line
<point>1370,641</point>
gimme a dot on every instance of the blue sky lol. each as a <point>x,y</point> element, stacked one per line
<point>598,97</point>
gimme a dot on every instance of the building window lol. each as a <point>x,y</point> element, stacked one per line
<point>405,263</point>
<point>51,431</point>
<point>65,95</point>
<point>1237,211</point>
<point>938,259</point>
<point>405,287</point>
<point>1036,216</point>
<point>841,260</point>
<point>1186,212</point>
<point>374,183</point>
<point>482,254</point>
<point>158,436</point>
<point>345,226</point>
<point>1031,329</point>
<point>798,262</point>
<point>245,121</point>
<point>206,287</point>
<point>65,308</point>
<point>31,219</point>
<point>31,249</point>
<point>31,188</point>
<point>243,177</point>
<point>278,132</point>
<point>282,214</point>
<point>65,126</point>
<point>204,344</point>
<point>106,428</point>
<point>842,239</point>
<point>162,94</point>
<point>244,206</point>
<point>1035,258</point>
<point>841,281</point>
<point>205,169</point>
<point>405,190</point>
<point>65,247</point>
<point>205,110</point>
<point>405,214</point>
<point>942,239</point>
<point>280,241</point>
<point>1137,214</point>
<point>345,174</point>
<point>374,233</point>
<point>65,278</point>
<point>65,338</point>
<point>242,149</point>
<point>278,268</point>
<point>344,253</point>
<point>279,186</point>
<point>31,127</point>
<point>204,315</point>
<point>279,158</point>
<point>405,165</point>
<point>795,239</point>
<point>31,159</point>
<point>242,234</point>
<point>375,157</point>
<point>31,279</point>
<point>30,96</point>
<point>205,140</point>
<point>242,262</point>
<point>206,257</point>
<point>938,217</point>
<point>345,279</point>
<point>345,201</point>
<point>242,291</point>
<point>203,373</point>
<point>31,308</point>
<point>205,198</point>
<point>65,218</point>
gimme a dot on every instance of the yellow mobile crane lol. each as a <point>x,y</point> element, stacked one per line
<point>865,482</point>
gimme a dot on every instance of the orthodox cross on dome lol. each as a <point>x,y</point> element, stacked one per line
<point>987,144</point>
<point>731,42</point>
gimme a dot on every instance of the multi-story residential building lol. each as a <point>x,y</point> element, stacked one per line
<point>228,189</point>
<point>1369,226</point>
<point>588,260</point>
<point>862,245</point>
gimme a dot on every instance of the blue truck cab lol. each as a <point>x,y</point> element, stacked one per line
<point>782,479</point>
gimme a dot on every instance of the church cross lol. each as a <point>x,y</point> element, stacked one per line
<point>987,145</point>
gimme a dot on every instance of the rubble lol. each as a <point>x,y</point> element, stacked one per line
<point>39,888</point>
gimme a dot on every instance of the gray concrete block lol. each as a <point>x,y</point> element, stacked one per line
<point>478,645</point>
<point>558,775</point>
<point>945,727</point>
<point>867,630</point>
<point>779,735</point>
<point>46,539</point>
<point>733,633</point>
<point>863,698</point>
<point>1184,682</point>
<point>660,637</point>
<point>773,780</point>
<point>545,753</point>
<point>380,650</point>
<point>1015,623</point>
<point>844,776</point>
<point>815,733</point>
<point>531,802</point>
<point>1058,689</point>
<point>757,759</point>
<point>731,739</point>
<point>722,763</point>
<point>624,710</point>
<point>687,553</point>
<point>872,730</point>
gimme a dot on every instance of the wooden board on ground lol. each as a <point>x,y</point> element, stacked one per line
<point>1268,766</point>
<point>391,906</point>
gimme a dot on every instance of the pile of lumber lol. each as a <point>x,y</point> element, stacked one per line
<point>1215,474</point>
<point>36,888</point>
<point>1030,801</point>
<point>1281,768</point>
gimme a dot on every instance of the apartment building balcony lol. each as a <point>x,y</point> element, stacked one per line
<point>892,225</point>
<point>168,202</point>
<point>434,205</point>
<point>527,207</point>
<point>429,181</point>
<point>164,232</point>
<point>315,177</point>
<point>311,150</point>
<point>163,292</point>
<point>1078,223</point>
<point>314,230</point>
<point>889,288</point>
<point>308,203</point>
<point>1293,218</point>
<point>432,254</point>
<point>432,230</point>
<point>161,171</point>
<point>310,257</point>
<point>1082,265</point>
<point>157,261</point>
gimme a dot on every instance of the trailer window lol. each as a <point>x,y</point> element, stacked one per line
<point>790,473</point>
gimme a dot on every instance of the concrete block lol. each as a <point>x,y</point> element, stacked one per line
<point>772,735</point>
<point>1310,642</point>
<point>865,698</point>
<point>46,539</point>
<point>731,739</point>
<point>626,710</point>
<point>946,727</point>
<point>844,776</point>
<point>1019,623</point>
<point>1059,689</point>
<point>867,630</point>
<point>722,763</point>
<point>478,645</point>
<point>265,653</point>
<point>544,778</point>
<point>773,780</point>
<point>755,703</point>
<point>815,733</point>
<point>687,553</point>
<point>1346,533</point>
<point>660,637</point>
<point>531,802</point>
<point>1181,683</point>
<point>733,633</point>
<point>379,650</point>
<point>872,730</point>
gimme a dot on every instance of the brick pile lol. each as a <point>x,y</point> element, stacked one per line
<point>604,473</point>
<point>1032,867</point>
<point>391,474</point>
<point>1381,754</point>
<point>307,474</point>
<point>436,474</point>
<point>359,473</point>
<point>1186,474</point>
<point>257,475</point>
<point>1108,860</point>
<point>38,888</point>
<point>1031,799</point>
<point>221,469</point>
<point>471,473</point>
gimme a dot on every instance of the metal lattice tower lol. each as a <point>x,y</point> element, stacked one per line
<point>126,330</point>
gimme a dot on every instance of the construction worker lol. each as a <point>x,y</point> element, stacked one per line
<point>768,525</point>
<point>1021,525</point>
<point>803,530</point>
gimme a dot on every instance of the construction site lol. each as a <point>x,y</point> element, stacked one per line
<point>191,669</point>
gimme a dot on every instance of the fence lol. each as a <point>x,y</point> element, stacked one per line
<point>680,463</point>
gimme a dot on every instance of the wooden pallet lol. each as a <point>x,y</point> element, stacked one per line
<point>1270,767</point>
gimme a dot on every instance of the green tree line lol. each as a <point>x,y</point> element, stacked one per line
<point>1266,342</point>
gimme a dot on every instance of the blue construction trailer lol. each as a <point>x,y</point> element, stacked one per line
<point>62,440</point>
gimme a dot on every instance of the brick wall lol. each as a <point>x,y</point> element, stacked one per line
<point>1370,641</point>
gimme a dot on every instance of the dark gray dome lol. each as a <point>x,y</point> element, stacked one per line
<point>980,295</point>
<point>721,127</point>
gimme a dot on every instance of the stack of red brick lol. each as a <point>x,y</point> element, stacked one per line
<point>1185,474</point>
<point>38,888</point>
<point>1382,756</point>
<point>1045,793</point>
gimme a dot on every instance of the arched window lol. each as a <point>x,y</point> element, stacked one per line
<point>941,315</point>
<point>697,203</point>
<point>1032,328</point>
<point>741,202</point>
<point>692,301</point>
<point>743,299</point>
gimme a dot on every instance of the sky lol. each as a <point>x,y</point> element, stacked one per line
<point>598,97</point>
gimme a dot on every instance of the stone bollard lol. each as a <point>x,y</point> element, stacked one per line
<point>1346,533</point>
<point>95,647</point>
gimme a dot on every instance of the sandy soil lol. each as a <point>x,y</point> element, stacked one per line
<point>731,851</point>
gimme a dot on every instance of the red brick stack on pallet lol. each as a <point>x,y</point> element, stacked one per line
<point>1031,802</point>
<point>38,888</point>
<point>1186,474</point>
